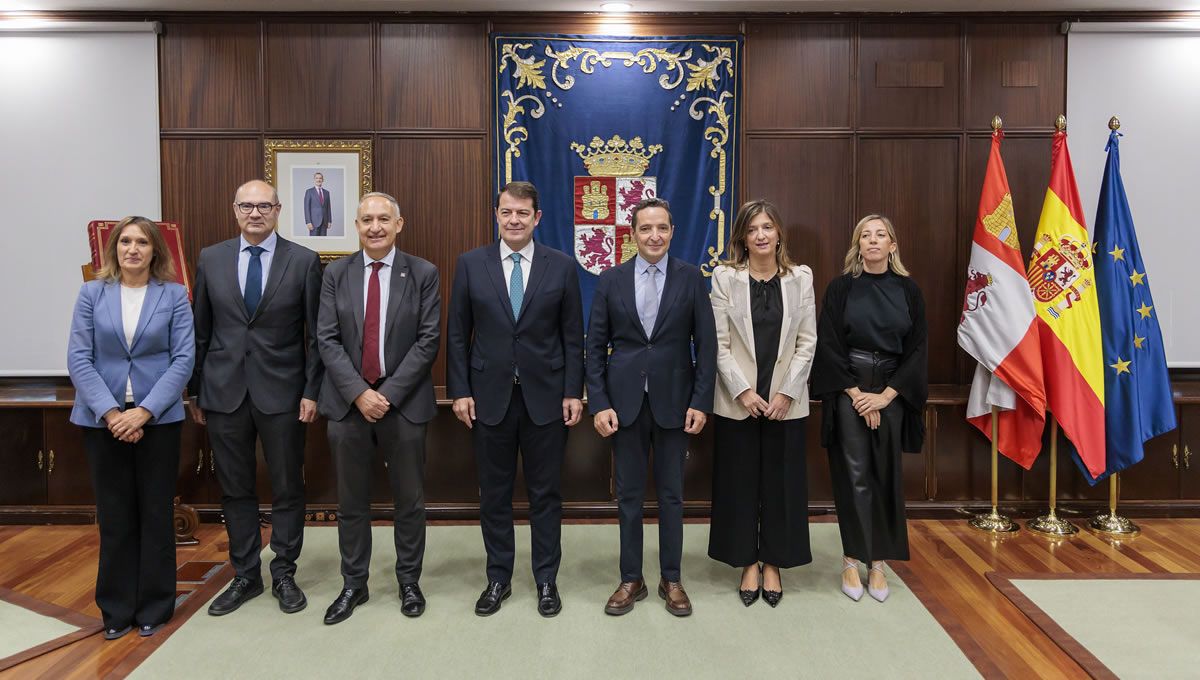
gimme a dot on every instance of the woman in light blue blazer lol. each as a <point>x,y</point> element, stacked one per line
<point>130,355</point>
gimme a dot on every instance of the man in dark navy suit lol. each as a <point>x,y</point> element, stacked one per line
<point>652,391</point>
<point>515,371</point>
<point>318,213</point>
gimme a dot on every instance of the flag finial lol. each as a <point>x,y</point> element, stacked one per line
<point>997,123</point>
<point>1060,123</point>
<point>1114,123</point>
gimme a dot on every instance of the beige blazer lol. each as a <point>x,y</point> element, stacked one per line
<point>737,367</point>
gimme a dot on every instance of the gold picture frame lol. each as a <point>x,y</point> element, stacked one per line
<point>320,182</point>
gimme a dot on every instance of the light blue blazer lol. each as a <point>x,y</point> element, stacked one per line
<point>158,362</point>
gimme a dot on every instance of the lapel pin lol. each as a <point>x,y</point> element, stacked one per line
<point>403,274</point>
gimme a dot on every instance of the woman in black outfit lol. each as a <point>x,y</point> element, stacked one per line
<point>765,312</point>
<point>872,378</point>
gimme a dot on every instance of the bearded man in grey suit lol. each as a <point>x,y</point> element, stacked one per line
<point>257,378</point>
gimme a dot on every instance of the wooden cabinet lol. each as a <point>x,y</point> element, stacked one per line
<point>1188,448</point>
<point>68,478</point>
<point>22,457</point>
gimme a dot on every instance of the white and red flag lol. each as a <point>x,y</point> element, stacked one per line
<point>998,325</point>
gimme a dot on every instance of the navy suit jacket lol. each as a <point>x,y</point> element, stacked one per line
<point>678,359</point>
<point>485,344</point>
<point>317,213</point>
<point>158,362</point>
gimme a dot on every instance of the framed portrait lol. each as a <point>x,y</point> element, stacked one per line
<point>320,182</point>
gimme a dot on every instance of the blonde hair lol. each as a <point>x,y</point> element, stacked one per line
<point>739,255</point>
<point>161,266</point>
<point>854,264</point>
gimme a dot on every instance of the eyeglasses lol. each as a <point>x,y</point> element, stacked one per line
<point>263,208</point>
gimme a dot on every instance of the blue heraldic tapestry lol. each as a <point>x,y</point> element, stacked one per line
<point>599,123</point>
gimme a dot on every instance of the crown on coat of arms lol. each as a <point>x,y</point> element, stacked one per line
<point>616,157</point>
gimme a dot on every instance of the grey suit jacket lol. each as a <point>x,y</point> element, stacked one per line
<point>414,328</point>
<point>268,356</point>
<point>317,212</point>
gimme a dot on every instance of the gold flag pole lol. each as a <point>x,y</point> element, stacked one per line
<point>1112,523</point>
<point>994,521</point>
<point>1050,524</point>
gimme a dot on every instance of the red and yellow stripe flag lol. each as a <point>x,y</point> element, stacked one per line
<point>1063,281</point>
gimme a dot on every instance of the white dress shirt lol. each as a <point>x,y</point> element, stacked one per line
<point>526,262</point>
<point>385,286</point>
<point>132,300</point>
<point>268,246</point>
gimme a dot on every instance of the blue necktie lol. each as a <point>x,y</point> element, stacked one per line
<point>516,286</point>
<point>253,292</point>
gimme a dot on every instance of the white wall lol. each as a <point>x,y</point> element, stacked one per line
<point>78,142</point>
<point>1151,81</point>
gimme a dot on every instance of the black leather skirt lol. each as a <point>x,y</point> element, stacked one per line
<point>872,370</point>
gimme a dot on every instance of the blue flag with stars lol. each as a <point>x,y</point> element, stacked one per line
<point>1137,390</point>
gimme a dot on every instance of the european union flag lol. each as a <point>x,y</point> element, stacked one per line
<point>1137,391</point>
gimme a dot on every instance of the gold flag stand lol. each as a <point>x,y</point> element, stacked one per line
<point>1051,524</point>
<point>994,522</point>
<point>1111,523</point>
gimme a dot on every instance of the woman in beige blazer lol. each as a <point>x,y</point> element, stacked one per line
<point>766,335</point>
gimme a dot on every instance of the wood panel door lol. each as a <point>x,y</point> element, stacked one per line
<point>68,478</point>
<point>23,457</point>
<point>1189,451</point>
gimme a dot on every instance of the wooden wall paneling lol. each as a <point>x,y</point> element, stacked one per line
<point>1017,70</point>
<point>23,474</point>
<point>450,474</point>
<point>1071,485</point>
<point>443,189</point>
<point>915,182</point>
<point>195,468</point>
<point>319,76</point>
<point>1163,461</point>
<point>433,76</point>
<point>1189,451</point>
<point>909,75</point>
<point>209,76</point>
<point>320,480</point>
<point>809,179</point>
<point>68,478</point>
<point>964,461</point>
<point>798,75</point>
<point>587,473</point>
<point>579,24</point>
<point>1027,164</point>
<point>820,485</point>
<point>199,178</point>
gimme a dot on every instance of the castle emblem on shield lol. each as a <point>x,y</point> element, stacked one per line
<point>604,200</point>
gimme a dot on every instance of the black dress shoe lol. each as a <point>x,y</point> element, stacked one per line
<point>412,601</point>
<point>491,597</point>
<point>148,629</point>
<point>291,598</point>
<point>749,597</point>
<point>114,633</point>
<point>772,597</point>
<point>344,605</point>
<point>549,603</point>
<point>239,592</point>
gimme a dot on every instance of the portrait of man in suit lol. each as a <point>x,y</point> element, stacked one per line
<point>318,207</point>
<point>256,380</point>
<point>515,371</point>
<point>651,373</point>
<point>378,334</point>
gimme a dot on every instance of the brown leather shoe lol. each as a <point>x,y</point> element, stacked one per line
<point>677,599</point>
<point>627,593</point>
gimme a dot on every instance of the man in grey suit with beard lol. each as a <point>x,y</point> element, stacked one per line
<point>257,377</point>
<point>380,324</point>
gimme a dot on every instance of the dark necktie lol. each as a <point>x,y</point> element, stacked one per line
<point>370,344</point>
<point>253,292</point>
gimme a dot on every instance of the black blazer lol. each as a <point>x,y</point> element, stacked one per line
<point>684,328</point>
<point>410,343</point>
<point>545,344</point>
<point>269,356</point>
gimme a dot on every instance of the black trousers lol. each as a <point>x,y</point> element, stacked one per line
<point>402,444</point>
<point>865,468</point>
<point>760,493</point>
<point>135,491</point>
<point>541,449</point>
<point>631,452</point>
<point>233,437</point>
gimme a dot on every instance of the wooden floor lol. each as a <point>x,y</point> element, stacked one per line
<point>57,564</point>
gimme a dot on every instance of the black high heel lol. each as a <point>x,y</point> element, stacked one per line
<point>749,597</point>
<point>772,597</point>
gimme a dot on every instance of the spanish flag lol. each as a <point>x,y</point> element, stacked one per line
<point>1063,281</point>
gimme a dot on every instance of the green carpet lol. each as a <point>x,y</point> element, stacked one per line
<point>24,629</point>
<point>816,632</point>
<point>1138,628</point>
